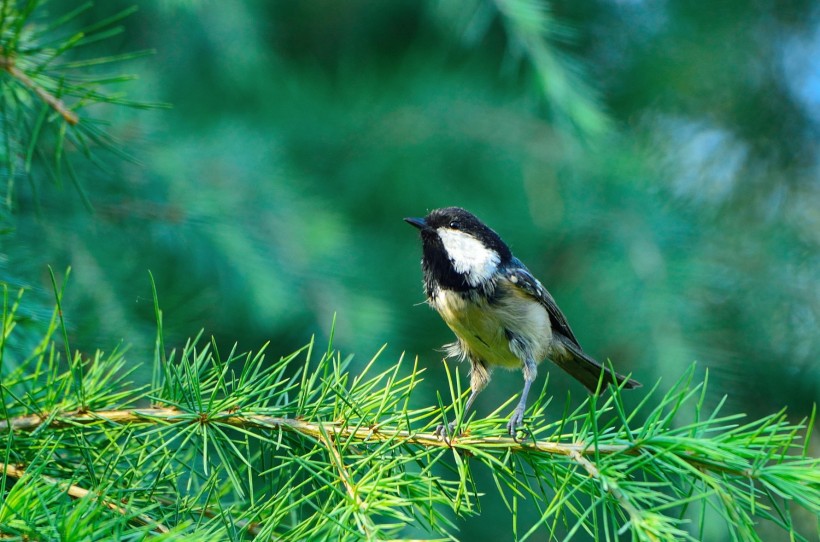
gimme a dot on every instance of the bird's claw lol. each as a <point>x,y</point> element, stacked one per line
<point>516,419</point>
<point>446,431</point>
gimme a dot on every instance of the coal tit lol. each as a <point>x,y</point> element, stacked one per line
<point>501,315</point>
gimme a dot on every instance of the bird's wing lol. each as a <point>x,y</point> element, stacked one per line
<point>521,278</point>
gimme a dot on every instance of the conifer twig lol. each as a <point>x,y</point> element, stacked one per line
<point>307,428</point>
<point>7,63</point>
<point>607,484</point>
<point>362,520</point>
<point>77,492</point>
<point>319,430</point>
<point>317,453</point>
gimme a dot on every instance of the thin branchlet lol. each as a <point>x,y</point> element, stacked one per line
<point>76,492</point>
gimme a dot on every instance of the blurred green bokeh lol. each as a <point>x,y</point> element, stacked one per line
<point>678,222</point>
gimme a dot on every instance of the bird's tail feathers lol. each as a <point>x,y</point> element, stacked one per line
<point>587,371</point>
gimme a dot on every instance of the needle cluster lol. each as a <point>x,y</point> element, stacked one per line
<point>241,445</point>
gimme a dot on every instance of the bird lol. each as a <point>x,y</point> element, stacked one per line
<point>501,315</point>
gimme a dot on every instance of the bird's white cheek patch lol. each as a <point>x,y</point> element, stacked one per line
<point>469,255</point>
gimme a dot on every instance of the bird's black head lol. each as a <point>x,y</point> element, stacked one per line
<point>459,251</point>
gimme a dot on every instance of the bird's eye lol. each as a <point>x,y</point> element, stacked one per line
<point>455,224</point>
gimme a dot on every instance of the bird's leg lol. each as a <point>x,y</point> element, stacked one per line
<point>479,377</point>
<point>517,416</point>
<point>450,429</point>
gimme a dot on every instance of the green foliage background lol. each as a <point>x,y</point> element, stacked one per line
<point>657,169</point>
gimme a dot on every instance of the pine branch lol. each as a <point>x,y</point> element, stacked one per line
<point>41,93</point>
<point>299,448</point>
<point>77,492</point>
<point>7,64</point>
<point>329,432</point>
<point>538,41</point>
<point>315,430</point>
<point>363,521</point>
<point>535,34</point>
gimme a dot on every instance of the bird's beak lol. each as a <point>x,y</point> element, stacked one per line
<point>420,223</point>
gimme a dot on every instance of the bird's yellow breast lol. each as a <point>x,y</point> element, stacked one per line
<point>485,328</point>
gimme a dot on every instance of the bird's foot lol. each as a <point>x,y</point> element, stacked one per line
<point>446,432</point>
<point>516,419</point>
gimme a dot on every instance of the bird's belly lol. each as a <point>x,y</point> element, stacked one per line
<point>485,329</point>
